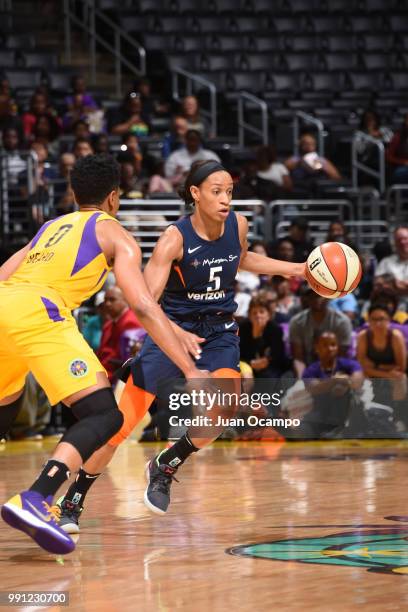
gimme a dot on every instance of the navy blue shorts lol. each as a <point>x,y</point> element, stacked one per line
<point>151,368</point>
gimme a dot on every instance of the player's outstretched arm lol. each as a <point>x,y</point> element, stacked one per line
<point>13,263</point>
<point>259,264</point>
<point>119,246</point>
<point>169,248</point>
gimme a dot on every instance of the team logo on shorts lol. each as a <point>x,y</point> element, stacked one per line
<point>78,368</point>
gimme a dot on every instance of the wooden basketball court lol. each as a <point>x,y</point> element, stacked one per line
<point>252,526</point>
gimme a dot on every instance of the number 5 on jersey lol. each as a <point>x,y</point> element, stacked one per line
<point>214,279</point>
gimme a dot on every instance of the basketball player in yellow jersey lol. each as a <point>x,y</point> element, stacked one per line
<point>65,263</point>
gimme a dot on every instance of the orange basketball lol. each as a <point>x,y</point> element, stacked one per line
<point>333,269</point>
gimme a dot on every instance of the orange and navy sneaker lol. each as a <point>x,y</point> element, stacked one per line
<point>33,514</point>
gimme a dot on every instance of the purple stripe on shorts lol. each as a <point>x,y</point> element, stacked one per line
<point>52,310</point>
<point>40,233</point>
<point>89,247</point>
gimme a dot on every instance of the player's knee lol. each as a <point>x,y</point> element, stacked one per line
<point>99,418</point>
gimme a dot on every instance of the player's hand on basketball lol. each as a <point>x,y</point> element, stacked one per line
<point>190,342</point>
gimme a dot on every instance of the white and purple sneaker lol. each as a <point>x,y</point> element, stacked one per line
<point>33,514</point>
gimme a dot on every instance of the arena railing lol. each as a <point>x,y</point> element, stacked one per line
<point>357,165</point>
<point>364,234</point>
<point>244,98</point>
<point>91,17</point>
<point>397,203</point>
<point>324,209</point>
<point>191,81</point>
<point>147,219</point>
<point>302,117</point>
<point>19,213</point>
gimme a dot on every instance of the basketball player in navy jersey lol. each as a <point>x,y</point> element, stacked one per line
<point>192,270</point>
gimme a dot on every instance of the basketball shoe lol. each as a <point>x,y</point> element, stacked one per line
<point>33,514</point>
<point>159,477</point>
<point>69,517</point>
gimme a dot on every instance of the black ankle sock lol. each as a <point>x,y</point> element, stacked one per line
<point>80,487</point>
<point>53,475</point>
<point>178,453</point>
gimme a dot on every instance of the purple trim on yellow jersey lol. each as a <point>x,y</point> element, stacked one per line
<point>101,277</point>
<point>89,247</point>
<point>40,233</point>
<point>52,310</point>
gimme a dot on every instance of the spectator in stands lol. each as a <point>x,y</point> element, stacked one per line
<point>80,129</point>
<point>271,297</point>
<point>397,154</point>
<point>269,169</point>
<point>122,318</point>
<point>151,104</point>
<point>308,166</point>
<point>78,110</point>
<point>397,264</point>
<point>330,381</point>
<point>338,232</point>
<point>46,130</point>
<point>287,303</point>
<point>131,185</point>
<point>92,330</point>
<point>242,298</point>
<point>370,124</point>
<point>190,110</point>
<point>284,249</point>
<point>158,182</point>
<point>261,342</point>
<point>130,117</point>
<point>347,304</point>
<point>298,237</point>
<point>79,89</point>
<point>179,162</point>
<point>82,147</point>
<point>15,163</point>
<point>382,352</point>
<point>311,322</point>
<point>175,139</point>
<point>131,146</point>
<point>387,295</point>
<point>63,194</point>
<point>100,144</point>
<point>9,114</point>
<point>39,107</point>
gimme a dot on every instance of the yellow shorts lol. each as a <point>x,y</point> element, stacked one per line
<point>38,334</point>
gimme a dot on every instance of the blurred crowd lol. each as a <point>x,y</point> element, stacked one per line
<point>287,331</point>
<point>58,131</point>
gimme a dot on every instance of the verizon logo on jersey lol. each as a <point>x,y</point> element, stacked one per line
<point>209,295</point>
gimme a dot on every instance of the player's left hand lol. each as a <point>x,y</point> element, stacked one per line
<point>190,342</point>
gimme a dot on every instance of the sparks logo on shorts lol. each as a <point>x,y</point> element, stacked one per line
<point>78,368</point>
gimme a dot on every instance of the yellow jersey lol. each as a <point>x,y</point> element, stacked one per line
<point>65,257</point>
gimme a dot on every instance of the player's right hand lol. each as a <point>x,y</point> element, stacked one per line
<point>190,342</point>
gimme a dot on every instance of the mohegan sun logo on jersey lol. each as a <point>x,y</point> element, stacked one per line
<point>375,548</point>
<point>78,368</point>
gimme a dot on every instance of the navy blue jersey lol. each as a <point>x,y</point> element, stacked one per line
<point>202,282</point>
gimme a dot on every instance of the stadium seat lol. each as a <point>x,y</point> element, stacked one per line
<point>265,43</point>
<point>20,41</point>
<point>375,42</point>
<point>341,61</point>
<point>376,61</point>
<point>216,62</point>
<point>246,24</point>
<point>340,42</point>
<point>7,58</point>
<point>231,42</point>
<point>38,59</point>
<point>24,79</point>
<point>187,61</point>
<point>302,42</point>
<point>249,81</point>
<point>257,61</point>
<point>300,61</point>
<point>324,81</point>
